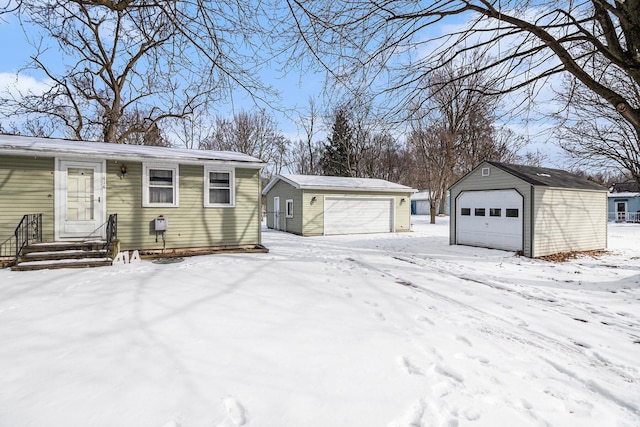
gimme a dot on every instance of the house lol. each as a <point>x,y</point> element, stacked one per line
<point>624,202</point>
<point>533,210</point>
<point>326,205</point>
<point>165,199</point>
<point>420,204</point>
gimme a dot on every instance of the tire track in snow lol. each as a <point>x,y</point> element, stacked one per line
<point>546,343</point>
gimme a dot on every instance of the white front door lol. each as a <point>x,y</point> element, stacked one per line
<point>276,213</point>
<point>80,199</point>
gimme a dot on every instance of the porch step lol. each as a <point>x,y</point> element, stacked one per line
<point>54,255</point>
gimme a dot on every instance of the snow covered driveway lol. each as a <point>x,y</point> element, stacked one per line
<point>368,330</point>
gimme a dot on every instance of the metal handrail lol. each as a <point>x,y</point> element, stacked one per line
<point>112,230</point>
<point>28,230</point>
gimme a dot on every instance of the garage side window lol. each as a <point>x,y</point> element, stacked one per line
<point>495,212</point>
<point>219,188</point>
<point>289,208</point>
<point>160,185</point>
<point>513,213</point>
<point>479,212</point>
<point>465,211</point>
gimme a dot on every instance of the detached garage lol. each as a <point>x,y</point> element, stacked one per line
<point>326,205</point>
<point>532,210</point>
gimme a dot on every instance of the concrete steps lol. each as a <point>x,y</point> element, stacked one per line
<point>53,255</point>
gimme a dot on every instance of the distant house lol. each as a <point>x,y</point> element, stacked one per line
<point>325,205</point>
<point>624,202</point>
<point>532,210</point>
<point>420,204</point>
<point>205,199</point>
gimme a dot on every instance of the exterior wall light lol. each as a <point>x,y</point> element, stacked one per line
<point>313,199</point>
<point>123,171</point>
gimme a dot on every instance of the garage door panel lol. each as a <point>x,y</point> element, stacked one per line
<point>502,231</point>
<point>358,215</point>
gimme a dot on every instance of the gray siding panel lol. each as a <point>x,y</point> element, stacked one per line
<point>569,220</point>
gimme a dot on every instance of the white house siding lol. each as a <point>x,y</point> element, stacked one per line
<point>568,220</point>
<point>497,180</point>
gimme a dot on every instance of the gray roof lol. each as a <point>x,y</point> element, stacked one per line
<point>50,147</point>
<point>547,177</point>
<point>625,187</point>
<point>315,182</point>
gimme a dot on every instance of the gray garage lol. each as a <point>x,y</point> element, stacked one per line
<point>532,210</point>
<point>326,205</point>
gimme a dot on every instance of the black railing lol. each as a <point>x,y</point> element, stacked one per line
<point>112,230</point>
<point>29,230</point>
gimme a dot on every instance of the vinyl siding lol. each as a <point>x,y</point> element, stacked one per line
<point>569,220</point>
<point>497,180</point>
<point>26,187</point>
<point>286,191</point>
<point>190,225</point>
<point>313,221</point>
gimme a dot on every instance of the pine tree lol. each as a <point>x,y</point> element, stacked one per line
<point>338,158</point>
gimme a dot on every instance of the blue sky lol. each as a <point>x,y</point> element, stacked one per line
<point>295,88</point>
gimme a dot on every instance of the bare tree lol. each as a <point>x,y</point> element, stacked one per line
<point>254,134</point>
<point>455,129</point>
<point>151,61</point>
<point>594,133</point>
<point>304,156</point>
<point>393,47</point>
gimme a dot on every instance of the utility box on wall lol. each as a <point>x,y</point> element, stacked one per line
<point>162,223</point>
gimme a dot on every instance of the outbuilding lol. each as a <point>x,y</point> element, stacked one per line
<point>312,205</point>
<point>531,210</point>
<point>163,199</point>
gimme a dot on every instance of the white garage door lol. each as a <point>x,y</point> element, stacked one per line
<point>491,219</point>
<point>353,215</point>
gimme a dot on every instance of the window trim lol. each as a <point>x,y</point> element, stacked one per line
<point>175,168</point>
<point>232,186</point>
<point>288,212</point>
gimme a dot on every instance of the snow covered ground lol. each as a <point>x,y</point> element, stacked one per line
<point>368,330</point>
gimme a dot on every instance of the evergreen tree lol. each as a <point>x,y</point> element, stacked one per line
<point>338,157</point>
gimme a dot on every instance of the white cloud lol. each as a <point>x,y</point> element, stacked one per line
<point>16,84</point>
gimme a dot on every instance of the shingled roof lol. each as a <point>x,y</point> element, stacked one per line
<point>547,177</point>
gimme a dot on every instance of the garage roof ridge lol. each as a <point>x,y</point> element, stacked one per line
<point>547,177</point>
<point>319,182</point>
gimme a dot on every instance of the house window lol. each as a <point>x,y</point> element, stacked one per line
<point>289,208</point>
<point>160,185</point>
<point>479,212</point>
<point>486,171</point>
<point>219,187</point>
<point>465,211</point>
<point>495,212</point>
<point>513,213</point>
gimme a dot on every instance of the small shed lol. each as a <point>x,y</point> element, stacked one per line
<point>420,204</point>
<point>533,210</point>
<point>326,205</point>
<point>624,202</point>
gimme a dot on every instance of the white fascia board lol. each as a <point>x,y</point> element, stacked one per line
<point>128,157</point>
